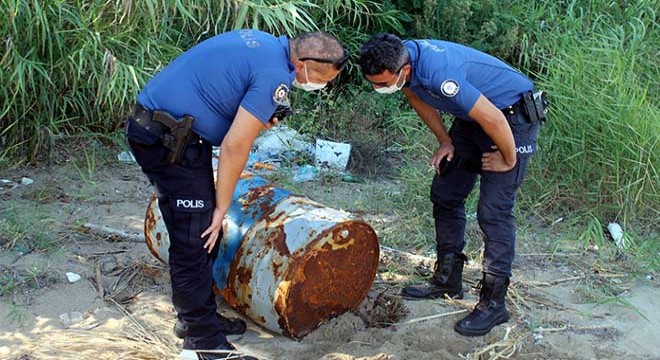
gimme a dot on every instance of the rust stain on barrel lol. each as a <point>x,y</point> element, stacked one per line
<point>327,280</point>
<point>276,269</point>
<point>229,293</point>
<point>277,240</point>
<point>244,275</point>
<point>258,192</point>
<point>150,222</point>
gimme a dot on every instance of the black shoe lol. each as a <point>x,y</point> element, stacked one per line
<point>447,280</point>
<point>227,326</point>
<point>226,351</point>
<point>491,309</point>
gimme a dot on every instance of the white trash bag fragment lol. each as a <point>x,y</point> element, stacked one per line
<point>620,239</point>
<point>333,155</point>
<point>278,141</point>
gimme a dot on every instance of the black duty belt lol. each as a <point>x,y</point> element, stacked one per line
<point>174,134</point>
<point>514,109</point>
<point>532,104</point>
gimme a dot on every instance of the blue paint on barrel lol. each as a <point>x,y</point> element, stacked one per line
<point>240,221</point>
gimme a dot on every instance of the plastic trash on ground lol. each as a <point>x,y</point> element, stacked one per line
<point>306,173</point>
<point>332,154</point>
<point>125,157</point>
<point>72,277</point>
<point>621,241</point>
<point>278,141</point>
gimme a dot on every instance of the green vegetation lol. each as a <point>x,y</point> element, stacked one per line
<point>24,230</point>
<point>73,67</point>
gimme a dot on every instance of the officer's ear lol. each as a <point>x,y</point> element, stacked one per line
<point>299,65</point>
<point>407,68</point>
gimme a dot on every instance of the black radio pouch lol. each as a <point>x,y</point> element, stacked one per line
<point>535,105</point>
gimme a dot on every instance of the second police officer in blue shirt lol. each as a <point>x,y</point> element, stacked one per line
<point>222,92</point>
<point>497,119</point>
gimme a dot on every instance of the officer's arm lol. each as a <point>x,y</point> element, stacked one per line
<point>234,152</point>
<point>429,115</point>
<point>494,124</point>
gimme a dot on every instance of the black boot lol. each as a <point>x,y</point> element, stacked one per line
<point>447,279</point>
<point>491,309</point>
<point>225,351</point>
<point>228,327</point>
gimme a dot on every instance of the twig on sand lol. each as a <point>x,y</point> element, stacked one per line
<point>503,349</point>
<point>430,317</point>
<point>553,282</point>
<point>99,283</point>
<point>110,232</point>
<point>408,256</point>
<point>550,254</point>
<point>573,328</point>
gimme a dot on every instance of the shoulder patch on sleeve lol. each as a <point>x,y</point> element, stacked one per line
<point>449,88</point>
<point>281,95</point>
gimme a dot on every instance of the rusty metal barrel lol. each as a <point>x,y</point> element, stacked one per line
<point>287,262</point>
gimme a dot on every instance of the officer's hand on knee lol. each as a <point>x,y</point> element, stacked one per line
<point>445,150</point>
<point>218,223</point>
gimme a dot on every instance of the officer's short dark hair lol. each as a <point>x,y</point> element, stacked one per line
<point>382,52</point>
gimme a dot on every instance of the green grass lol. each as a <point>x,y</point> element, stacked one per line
<point>598,150</point>
<point>17,315</point>
<point>24,230</point>
<point>71,67</point>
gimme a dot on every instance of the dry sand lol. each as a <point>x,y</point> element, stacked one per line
<point>138,325</point>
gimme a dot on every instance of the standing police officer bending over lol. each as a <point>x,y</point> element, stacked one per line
<point>497,120</point>
<point>223,91</point>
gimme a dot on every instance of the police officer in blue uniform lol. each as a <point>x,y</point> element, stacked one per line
<point>223,91</point>
<point>497,119</point>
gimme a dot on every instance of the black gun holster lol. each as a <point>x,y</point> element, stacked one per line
<point>174,134</point>
<point>535,105</point>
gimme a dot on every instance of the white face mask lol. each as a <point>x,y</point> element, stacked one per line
<point>392,88</point>
<point>308,86</point>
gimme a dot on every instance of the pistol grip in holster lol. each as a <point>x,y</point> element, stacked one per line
<point>178,136</point>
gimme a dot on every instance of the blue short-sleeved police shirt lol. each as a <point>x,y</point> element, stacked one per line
<point>247,68</point>
<point>451,77</point>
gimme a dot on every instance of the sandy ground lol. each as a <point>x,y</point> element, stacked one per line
<point>551,315</point>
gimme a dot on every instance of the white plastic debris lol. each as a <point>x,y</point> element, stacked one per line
<point>617,235</point>
<point>68,319</point>
<point>72,277</point>
<point>126,157</point>
<point>538,338</point>
<point>306,173</point>
<point>279,140</point>
<point>5,181</point>
<point>26,181</point>
<point>332,154</point>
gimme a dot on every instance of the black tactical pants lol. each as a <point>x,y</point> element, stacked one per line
<point>497,193</point>
<point>186,197</point>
